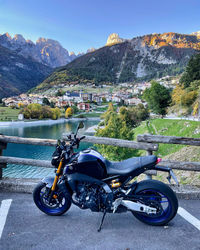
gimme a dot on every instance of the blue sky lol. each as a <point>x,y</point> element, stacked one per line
<point>82,24</point>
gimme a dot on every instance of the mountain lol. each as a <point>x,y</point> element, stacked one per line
<point>46,51</point>
<point>114,39</point>
<point>197,33</point>
<point>140,58</point>
<point>19,74</point>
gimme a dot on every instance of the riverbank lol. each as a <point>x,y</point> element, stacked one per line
<point>45,122</point>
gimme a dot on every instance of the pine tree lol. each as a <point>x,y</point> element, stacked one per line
<point>116,128</point>
<point>192,71</point>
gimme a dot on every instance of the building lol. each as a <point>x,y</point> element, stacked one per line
<point>72,96</point>
<point>83,106</point>
<point>132,101</point>
<point>86,96</point>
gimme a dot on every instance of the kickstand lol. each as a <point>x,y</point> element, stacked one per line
<point>104,214</point>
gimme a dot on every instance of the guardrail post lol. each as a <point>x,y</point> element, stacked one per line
<point>2,165</point>
<point>149,173</point>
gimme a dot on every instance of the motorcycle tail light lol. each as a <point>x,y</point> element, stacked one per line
<point>158,160</point>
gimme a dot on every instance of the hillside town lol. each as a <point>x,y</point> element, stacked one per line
<point>128,94</point>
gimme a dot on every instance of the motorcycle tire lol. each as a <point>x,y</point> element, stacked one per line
<point>60,202</point>
<point>160,196</point>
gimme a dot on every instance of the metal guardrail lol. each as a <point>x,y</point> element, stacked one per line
<point>144,142</point>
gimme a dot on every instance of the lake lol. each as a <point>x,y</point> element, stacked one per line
<point>54,131</point>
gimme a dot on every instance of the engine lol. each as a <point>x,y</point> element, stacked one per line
<point>92,196</point>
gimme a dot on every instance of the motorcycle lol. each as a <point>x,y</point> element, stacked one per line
<point>90,181</point>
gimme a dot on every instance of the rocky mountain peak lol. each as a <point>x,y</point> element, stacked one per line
<point>91,50</point>
<point>47,41</point>
<point>171,39</point>
<point>19,39</point>
<point>8,36</point>
<point>30,42</point>
<point>113,39</point>
<point>41,40</point>
<point>47,51</point>
<point>197,33</point>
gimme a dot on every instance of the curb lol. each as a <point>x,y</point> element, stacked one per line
<point>19,185</point>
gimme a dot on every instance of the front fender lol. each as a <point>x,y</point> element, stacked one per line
<point>48,181</point>
<point>64,186</point>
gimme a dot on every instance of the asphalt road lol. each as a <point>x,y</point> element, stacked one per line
<point>28,228</point>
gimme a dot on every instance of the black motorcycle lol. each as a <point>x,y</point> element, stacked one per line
<point>88,180</point>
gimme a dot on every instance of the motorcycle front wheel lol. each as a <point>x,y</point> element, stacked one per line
<point>160,196</point>
<point>59,204</point>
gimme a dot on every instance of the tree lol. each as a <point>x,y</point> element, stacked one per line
<point>60,93</point>
<point>55,113</point>
<point>52,104</point>
<point>116,128</point>
<point>75,109</point>
<point>20,105</point>
<point>103,99</point>
<point>177,93</point>
<point>46,112</point>
<point>134,115</point>
<point>45,101</point>
<point>192,71</point>
<point>189,98</point>
<point>158,98</point>
<point>107,114</point>
<point>68,112</point>
<point>194,85</point>
<point>37,111</point>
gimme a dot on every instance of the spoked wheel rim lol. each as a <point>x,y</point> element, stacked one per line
<point>158,200</point>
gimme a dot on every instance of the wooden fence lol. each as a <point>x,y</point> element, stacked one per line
<point>144,142</point>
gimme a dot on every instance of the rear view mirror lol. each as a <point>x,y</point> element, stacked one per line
<point>81,125</point>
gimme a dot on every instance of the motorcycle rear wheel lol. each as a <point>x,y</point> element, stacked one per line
<point>160,196</point>
<point>59,204</point>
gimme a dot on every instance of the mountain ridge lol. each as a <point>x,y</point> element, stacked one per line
<point>19,74</point>
<point>47,51</point>
<point>140,58</point>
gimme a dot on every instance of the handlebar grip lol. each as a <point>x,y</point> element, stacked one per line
<point>82,138</point>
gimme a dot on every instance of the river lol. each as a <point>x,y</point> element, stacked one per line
<point>54,131</point>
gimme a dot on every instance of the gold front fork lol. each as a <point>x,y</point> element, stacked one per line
<point>57,176</point>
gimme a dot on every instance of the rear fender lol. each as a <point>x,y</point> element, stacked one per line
<point>170,172</point>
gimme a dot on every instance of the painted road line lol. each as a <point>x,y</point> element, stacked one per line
<point>188,217</point>
<point>5,205</point>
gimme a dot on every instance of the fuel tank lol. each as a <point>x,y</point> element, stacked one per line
<point>91,163</point>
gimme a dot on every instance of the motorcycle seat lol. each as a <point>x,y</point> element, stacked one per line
<point>138,164</point>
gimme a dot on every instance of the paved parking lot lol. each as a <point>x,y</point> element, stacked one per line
<point>28,228</point>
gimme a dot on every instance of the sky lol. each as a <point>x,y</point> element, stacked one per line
<point>82,24</point>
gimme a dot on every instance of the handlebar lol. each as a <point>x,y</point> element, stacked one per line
<point>73,141</point>
<point>83,137</point>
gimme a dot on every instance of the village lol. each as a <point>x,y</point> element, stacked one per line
<point>125,94</point>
